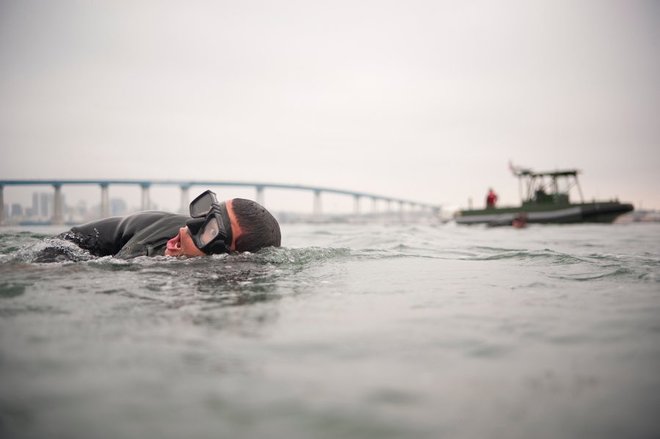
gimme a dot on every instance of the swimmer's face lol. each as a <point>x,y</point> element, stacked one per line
<point>183,245</point>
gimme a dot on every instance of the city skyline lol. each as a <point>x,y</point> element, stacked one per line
<point>42,209</point>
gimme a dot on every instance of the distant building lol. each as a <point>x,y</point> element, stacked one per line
<point>34,211</point>
<point>80,212</point>
<point>43,205</point>
<point>118,207</point>
<point>46,204</point>
<point>16,210</point>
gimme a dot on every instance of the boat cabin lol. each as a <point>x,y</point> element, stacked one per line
<point>551,187</point>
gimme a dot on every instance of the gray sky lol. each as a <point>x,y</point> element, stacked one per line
<point>426,100</point>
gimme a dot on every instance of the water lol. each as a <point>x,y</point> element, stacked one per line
<point>357,331</point>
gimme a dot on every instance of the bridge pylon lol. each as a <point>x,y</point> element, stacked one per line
<point>105,200</point>
<point>317,203</point>
<point>260,195</point>
<point>185,198</point>
<point>58,216</point>
<point>146,202</point>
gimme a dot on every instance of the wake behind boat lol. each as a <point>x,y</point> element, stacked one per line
<point>546,200</point>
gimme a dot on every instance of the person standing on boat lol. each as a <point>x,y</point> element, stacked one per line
<point>491,199</point>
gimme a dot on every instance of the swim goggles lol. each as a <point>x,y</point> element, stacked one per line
<point>210,227</point>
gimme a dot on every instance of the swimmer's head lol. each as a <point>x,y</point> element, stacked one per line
<point>253,226</point>
<point>244,225</point>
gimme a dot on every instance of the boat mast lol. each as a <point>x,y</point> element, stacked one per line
<point>577,183</point>
<point>530,185</point>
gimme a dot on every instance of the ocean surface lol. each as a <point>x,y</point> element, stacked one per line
<point>349,331</point>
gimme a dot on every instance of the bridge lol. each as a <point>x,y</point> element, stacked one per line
<point>185,185</point>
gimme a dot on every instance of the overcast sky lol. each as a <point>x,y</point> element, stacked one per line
<point>427,100</point>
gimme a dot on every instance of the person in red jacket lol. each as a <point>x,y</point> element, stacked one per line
<point>491,199</point>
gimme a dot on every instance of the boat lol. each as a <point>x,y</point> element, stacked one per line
<point>546,199</point>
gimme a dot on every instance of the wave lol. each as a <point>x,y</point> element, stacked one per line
<point>33,248</point>
<point>553,256</point>
<point>582,277</point>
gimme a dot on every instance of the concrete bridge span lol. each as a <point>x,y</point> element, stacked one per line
<point>185,185</point>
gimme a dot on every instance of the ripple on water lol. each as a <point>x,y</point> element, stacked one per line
<point>49,250</point>
<point>11,289</point>
<point>552,256</point>
<point>112,291</point>
<point>12,311</point>
<point>589,276</point>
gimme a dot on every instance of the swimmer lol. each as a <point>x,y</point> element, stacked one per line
<point>235,225</point>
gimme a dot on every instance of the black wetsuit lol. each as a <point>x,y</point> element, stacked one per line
<point>140,234</point>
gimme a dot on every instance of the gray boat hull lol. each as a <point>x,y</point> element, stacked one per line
<point>600,212</point>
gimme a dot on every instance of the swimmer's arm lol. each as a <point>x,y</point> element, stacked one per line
<point>98,237</point>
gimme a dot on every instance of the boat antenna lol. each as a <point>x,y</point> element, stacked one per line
<point>518,172</point>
